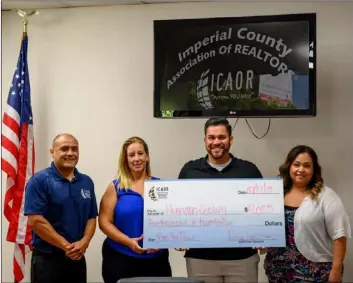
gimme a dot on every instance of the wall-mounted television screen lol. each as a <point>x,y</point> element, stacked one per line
<point>258,66</point>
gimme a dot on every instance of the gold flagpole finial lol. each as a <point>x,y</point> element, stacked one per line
<point>25,14</point>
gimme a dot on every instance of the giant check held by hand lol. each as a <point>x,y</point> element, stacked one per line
<point>210,213</point>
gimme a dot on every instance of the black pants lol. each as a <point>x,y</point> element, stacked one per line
<point>116,266</point>
<point>57,268</point>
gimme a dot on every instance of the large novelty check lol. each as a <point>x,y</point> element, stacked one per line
<point>214,213</point>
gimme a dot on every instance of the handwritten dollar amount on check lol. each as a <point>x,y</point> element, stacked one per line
<point>262,209</point>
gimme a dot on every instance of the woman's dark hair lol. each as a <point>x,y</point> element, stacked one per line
<point>316,183</point>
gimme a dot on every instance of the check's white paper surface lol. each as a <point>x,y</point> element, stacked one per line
<point>211,213</point>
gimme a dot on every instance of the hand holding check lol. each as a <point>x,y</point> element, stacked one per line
<point>134,245</point>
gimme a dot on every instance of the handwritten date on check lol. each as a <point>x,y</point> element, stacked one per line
<point>214,213</point>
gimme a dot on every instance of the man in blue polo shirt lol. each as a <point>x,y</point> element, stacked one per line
<point>61,206</point>
<point>221,264</point>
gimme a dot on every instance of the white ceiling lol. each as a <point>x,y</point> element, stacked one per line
<point>51,4</point>
<point>48,4</point>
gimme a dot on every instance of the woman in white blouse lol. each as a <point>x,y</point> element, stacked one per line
<point>317,225</point>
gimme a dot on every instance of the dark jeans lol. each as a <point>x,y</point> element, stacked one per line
<point>116,266</point>
<point>57,268</point>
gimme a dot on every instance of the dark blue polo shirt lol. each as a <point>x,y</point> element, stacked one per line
<point>66,205</point>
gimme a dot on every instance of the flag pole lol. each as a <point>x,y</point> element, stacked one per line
<point>25,14</point>
<point>19,248</point>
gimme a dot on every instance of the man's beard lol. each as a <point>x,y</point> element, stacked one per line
<point>222,151</point>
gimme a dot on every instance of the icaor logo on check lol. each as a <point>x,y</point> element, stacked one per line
<point>158,192</point>
<point>152,194</point>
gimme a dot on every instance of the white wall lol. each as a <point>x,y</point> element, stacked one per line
<point>92,75</point>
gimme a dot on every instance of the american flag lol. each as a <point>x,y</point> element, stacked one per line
<point>18,159</point>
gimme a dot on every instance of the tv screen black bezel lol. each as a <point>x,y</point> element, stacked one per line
<point>159,25</point>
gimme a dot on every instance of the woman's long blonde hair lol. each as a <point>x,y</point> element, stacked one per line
<point>124,173</point>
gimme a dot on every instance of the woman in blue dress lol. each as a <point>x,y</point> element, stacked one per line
<point>121,219</point>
